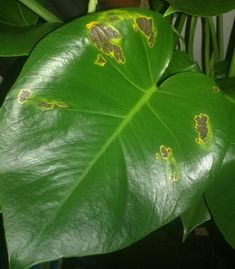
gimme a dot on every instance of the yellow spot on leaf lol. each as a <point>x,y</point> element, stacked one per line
<point>100,60</point>
<point>165,152</point>
<point>170,164</point>
<point>216,89</point>
<point>24,95</point>
<point>60,104</point>
<point>158,156</point>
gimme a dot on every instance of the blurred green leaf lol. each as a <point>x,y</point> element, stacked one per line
<point>69,9</point>
<point>228,88</point>
<point>195,216</point>
<point>19,41</point>
<point>220,70</point>
<point>12,12</point>
<point>221,196</point>
<point>180,62</point>
<point>93,155</point>
<point>227,85</point>
<point>203,7</point>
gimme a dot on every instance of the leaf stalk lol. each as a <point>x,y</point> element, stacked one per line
<point>40,11</point>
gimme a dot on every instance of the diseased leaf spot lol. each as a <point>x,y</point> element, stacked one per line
<point>106,39</point>
<point>24,95</point>
<point>165,152</point>
<point>216,89</point>
<point>60,104</point>
<point>146,26</point>
<point>100,60</point>
<point>46,105</point>
<point>201,128</point>
<point>170,164</point>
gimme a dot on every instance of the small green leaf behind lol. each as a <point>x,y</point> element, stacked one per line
<point>228,88</point>
<point>14,13</point>
<point>20,40</point>
<point>195,216</point>
<point>203,7</point>
<point>180,62</point>
<point>159,5</point>
<point>221,196</point>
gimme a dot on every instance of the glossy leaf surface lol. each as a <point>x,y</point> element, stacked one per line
<point>93,154</point>
<point>203,7</point>
<point>195,216</point>
<point>14,13</point>
<point>19,41</point>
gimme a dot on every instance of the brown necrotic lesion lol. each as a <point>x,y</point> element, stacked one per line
<point>106,39</point>
<point>45,105</point>
<point>49,105</point>
<point>42,103</point>
<point>169,162</point>
<point>146,26</point>
<point>201,127</point>
<point>24,95</point>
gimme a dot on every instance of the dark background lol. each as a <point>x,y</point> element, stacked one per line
<point>161,249</point>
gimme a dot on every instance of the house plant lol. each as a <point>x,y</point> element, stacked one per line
<point>107,135</point>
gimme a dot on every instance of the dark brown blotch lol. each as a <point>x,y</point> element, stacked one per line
<point>202,126</point>
<point>165,152</point>
<point>45,105</point>
<point>145,25</point>
<point>103,37</point>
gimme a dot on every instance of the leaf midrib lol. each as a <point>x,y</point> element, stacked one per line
<point>143,101</point>
<point>120,128</point>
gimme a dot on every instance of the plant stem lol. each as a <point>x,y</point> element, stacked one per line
<point>214,39</point>
<point>92,5</point>
<point>220,24</point>
<point>231,72</point>
<point>40,11</point>
<point>179,38</point>
<point>207,46</point>
<point>192,28</point>
<point>178,26</point>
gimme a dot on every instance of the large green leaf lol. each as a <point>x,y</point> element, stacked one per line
<point>202,7</point>
<point>13,12</point>
<point>19,41</point>
<point>93,154</point>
